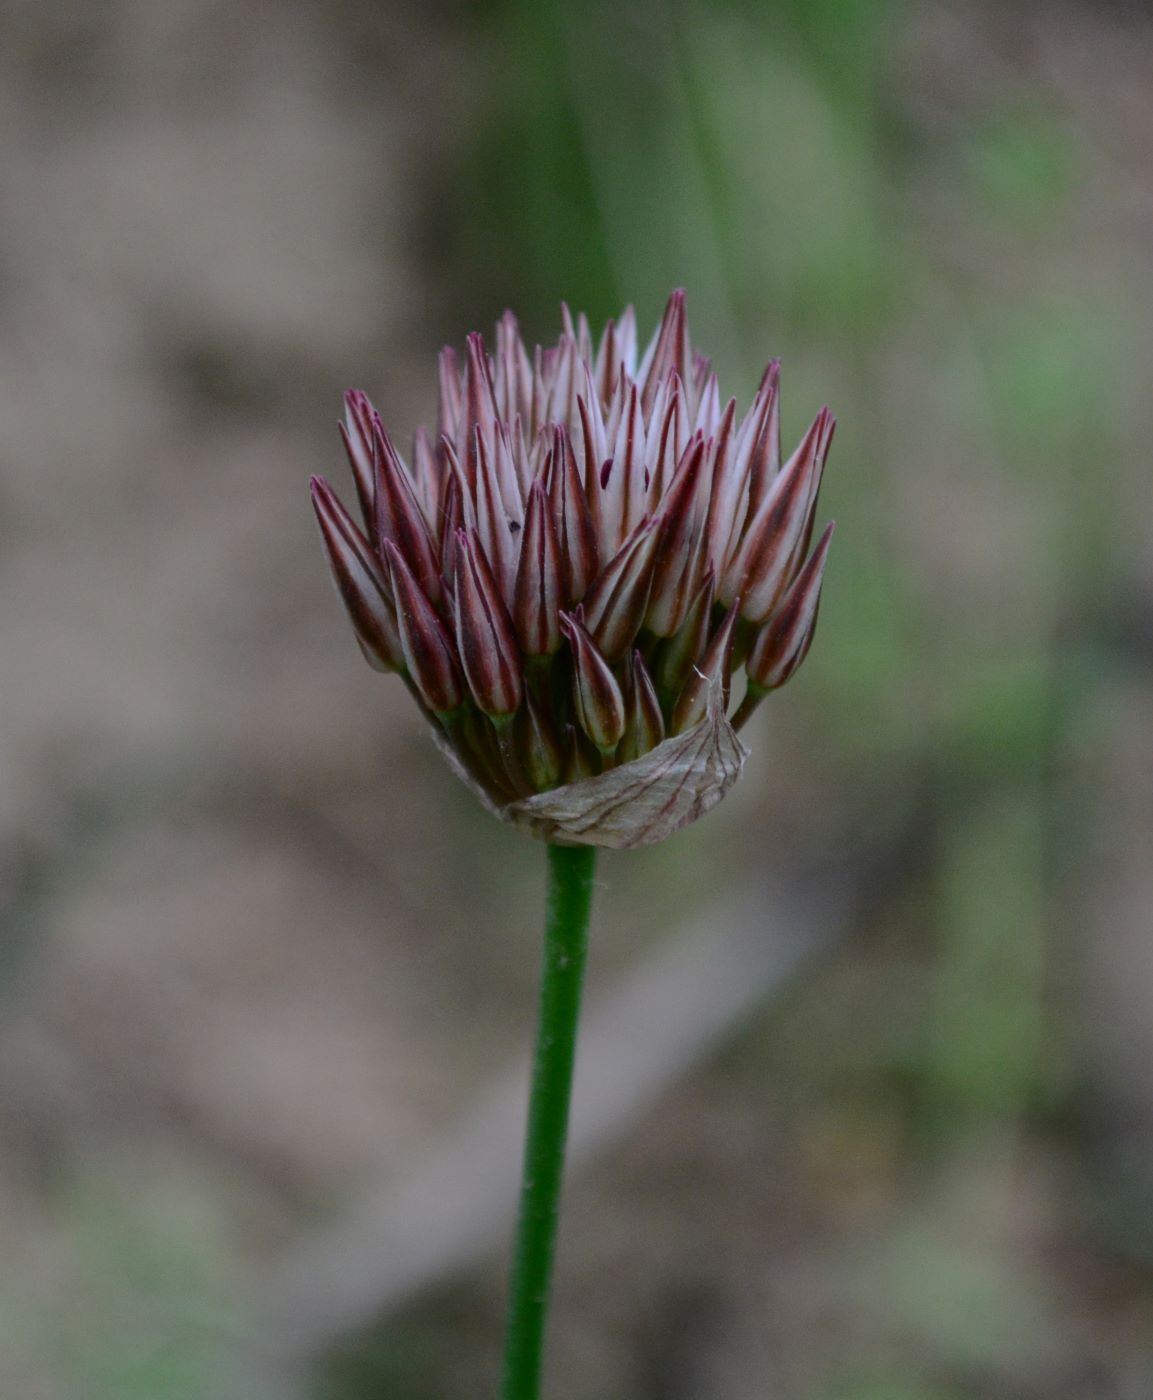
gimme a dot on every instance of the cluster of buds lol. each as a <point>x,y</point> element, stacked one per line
<point>569,575</point>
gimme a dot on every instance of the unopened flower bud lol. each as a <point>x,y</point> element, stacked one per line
<point>713,674</point>
<point>687,646</point>
<point>599,704</point>
<point>356,432</point>
<point>570,512</point>
<point>681,535</point>
<point>484,635</point>
<point>760,570</point>
<point>783,642</point>
<point>399,518</point>
<point>537,597</point>
<point>360,581</point>
<point>644,723</point>
<point>428,651</point>
<point>615,606</point>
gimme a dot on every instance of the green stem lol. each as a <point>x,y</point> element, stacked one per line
<point>570,891</point>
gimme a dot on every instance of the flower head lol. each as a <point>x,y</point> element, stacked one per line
<point>571,575</point>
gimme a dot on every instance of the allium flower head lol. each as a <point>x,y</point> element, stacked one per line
<point>570,574</point>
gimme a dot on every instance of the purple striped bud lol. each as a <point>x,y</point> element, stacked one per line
<point>357,434</point>
<point>512,371</point>
<point>594,447</point>
<point>617,492</point>
<point>560,405</point>
<point>492,520</point>
<point>607,365</point>
<point>570,513</point>
<point>722,461</point>
<point>714,673</point>
<point>450,420</point>
<point>359,580</point>
<point>428,651</point>
<point>484,635</point>
<point>451,522</point>
<point>783,643</point>
<point>759,571</point>
<point>615,606</point>
<point>709,409</point>
<point>644,723</point>
<point>399,518</point>
<point>687,646</point>
<point>599,704</point>
<point>766,425</point>
<point>755,464</point>
<point>675,443</point>
<point>680,535</point>
<point>806,537</point>
<point>426,475</point>
<point>479,407</point>
<point>536,597</point>
<point>669,351</point>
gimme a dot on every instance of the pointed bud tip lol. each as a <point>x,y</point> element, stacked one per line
<point>817,560</point>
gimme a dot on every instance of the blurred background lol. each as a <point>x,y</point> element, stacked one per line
<point>263,961</point>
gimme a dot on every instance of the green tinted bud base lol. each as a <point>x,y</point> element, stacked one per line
<point>754,694</point>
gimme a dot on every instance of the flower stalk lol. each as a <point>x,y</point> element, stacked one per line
<point>570,890</point>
